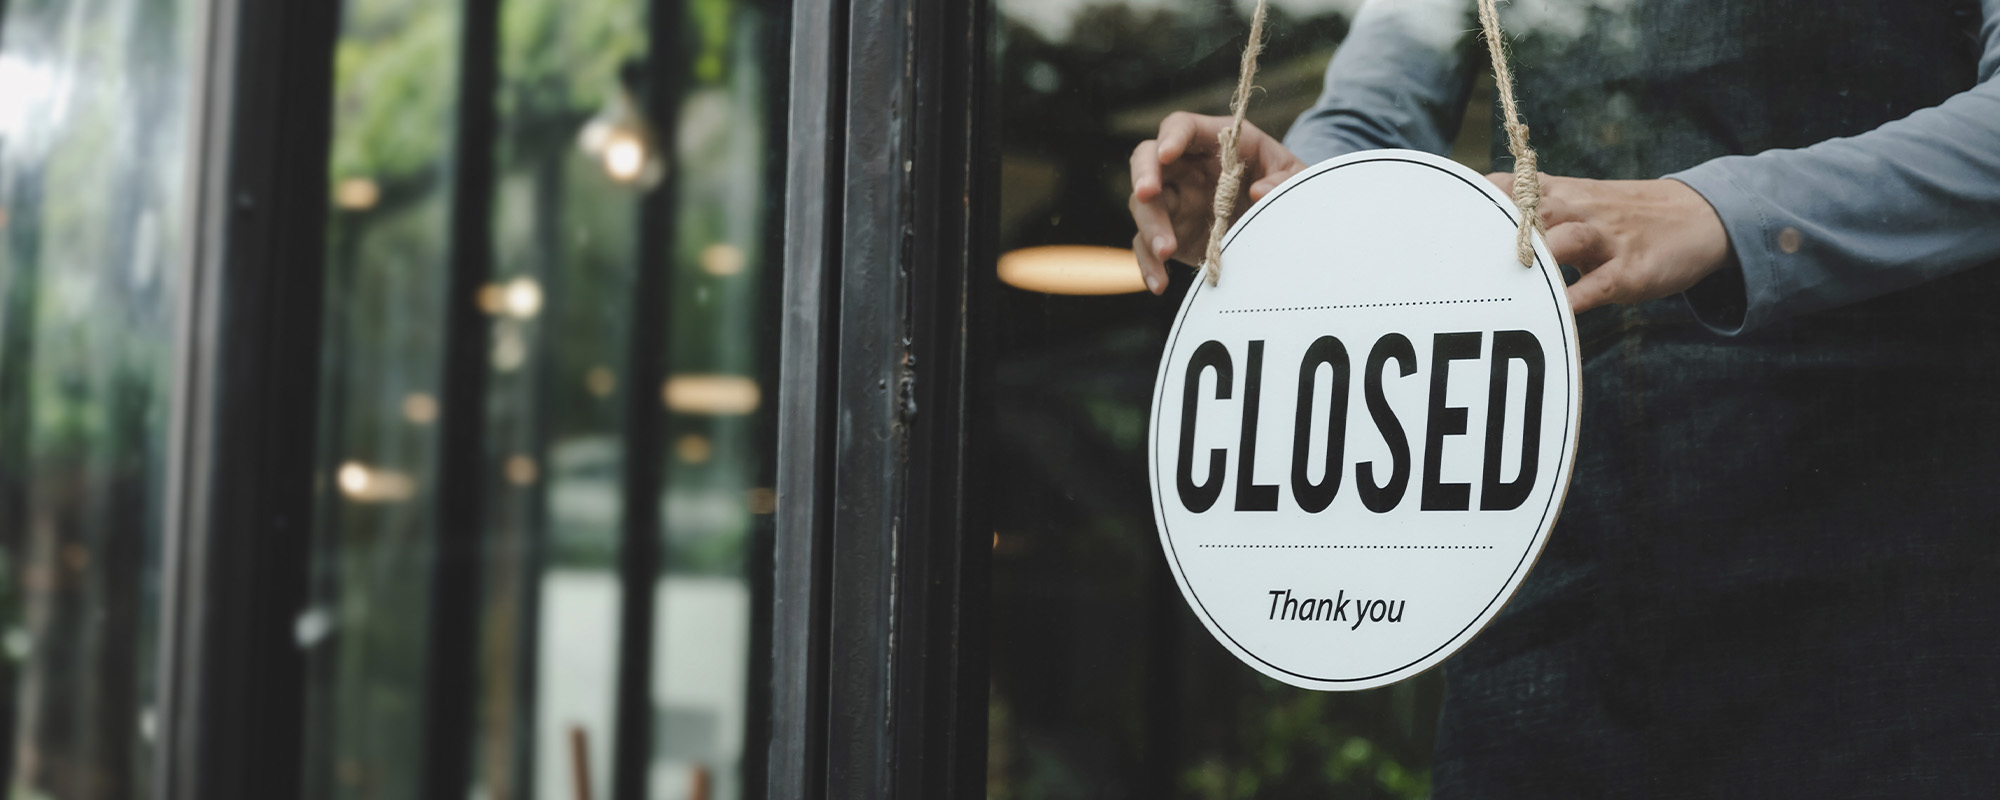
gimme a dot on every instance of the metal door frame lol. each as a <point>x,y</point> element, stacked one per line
<point>241,480</point>
<point>879,684</point>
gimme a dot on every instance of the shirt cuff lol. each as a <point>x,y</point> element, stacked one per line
<point>1742,295</point>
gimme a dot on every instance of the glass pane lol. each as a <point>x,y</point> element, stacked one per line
<point>720,394</point>
<point>366,631</point>
<point>1103,683</point>
<point>580,160</point>
<point>93,135</point>
<point>566,251</point>
<point>580,153</point>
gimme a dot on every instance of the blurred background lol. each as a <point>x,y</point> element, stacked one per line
<point>627,192</point>
<point>588,187</point>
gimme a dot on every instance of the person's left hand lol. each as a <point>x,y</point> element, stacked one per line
<point>1632,240</point>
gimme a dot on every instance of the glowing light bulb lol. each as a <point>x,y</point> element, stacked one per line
<point>523,298</point>
<point>620,141</point>
<point>353,478</point>
<point>625,159</point>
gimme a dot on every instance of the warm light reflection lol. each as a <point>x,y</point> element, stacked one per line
<point>524,298</point>
<point>357,194</point>
<point>364,484</point>
<point>353,478</point>
<point>420,408</point>
<point>600,380</point>
<point>1072,269</point>
<point>520,298</point>
<point>521,469</point>
<point>722,259</point>
<point>717,395</point>
<point>694,448</point>
<point>762,500</point>
<point>493,299</point>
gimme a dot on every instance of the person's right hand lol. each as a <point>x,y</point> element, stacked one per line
<point>1173,187</point>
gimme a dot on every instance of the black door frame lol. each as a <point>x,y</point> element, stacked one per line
<point>241,474</point>
<point>879,684</point>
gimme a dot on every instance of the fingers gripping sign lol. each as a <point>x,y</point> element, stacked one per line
<point>1174,180</point>
<point>1632,240</point>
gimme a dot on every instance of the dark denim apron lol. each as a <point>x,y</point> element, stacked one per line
<point>1778,571</point>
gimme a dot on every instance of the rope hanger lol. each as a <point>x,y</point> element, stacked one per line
<point>1527,179</point>
<point>1231,178</point>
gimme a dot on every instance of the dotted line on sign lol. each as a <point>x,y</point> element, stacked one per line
<point>1353,546</point>
<point>1371,305</point>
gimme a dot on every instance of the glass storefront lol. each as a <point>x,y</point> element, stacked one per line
<point>714,399</point>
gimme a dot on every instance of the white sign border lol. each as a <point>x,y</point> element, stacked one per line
<point>1573,421</point>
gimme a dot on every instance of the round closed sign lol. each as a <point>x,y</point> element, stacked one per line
<point>1361,437</point>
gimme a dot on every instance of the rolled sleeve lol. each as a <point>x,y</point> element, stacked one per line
<point>1723,301</point>
<point>1853,218</point>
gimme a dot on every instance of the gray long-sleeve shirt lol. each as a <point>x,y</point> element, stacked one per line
<point>1812,228</point>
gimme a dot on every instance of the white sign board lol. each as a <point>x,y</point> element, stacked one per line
<point>1361,438</point>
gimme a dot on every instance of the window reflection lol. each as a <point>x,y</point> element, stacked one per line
<point>578,156</point>
<point>93,128</point>
<point>566,251</point>
<point>723,338</point>
<point>381,364</point>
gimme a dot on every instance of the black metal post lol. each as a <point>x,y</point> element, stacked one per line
<point>645,414</point>
<point>451,664</point>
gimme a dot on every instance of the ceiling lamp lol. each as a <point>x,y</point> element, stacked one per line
<point>1072,269</point>
<point>714,395</point>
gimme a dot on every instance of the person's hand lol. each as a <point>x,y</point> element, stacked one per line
<point>1173,187</point>
<point>1632,240</point>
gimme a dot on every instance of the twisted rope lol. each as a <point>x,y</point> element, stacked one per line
<point>1231,179</point>
<point>1527,177</point>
